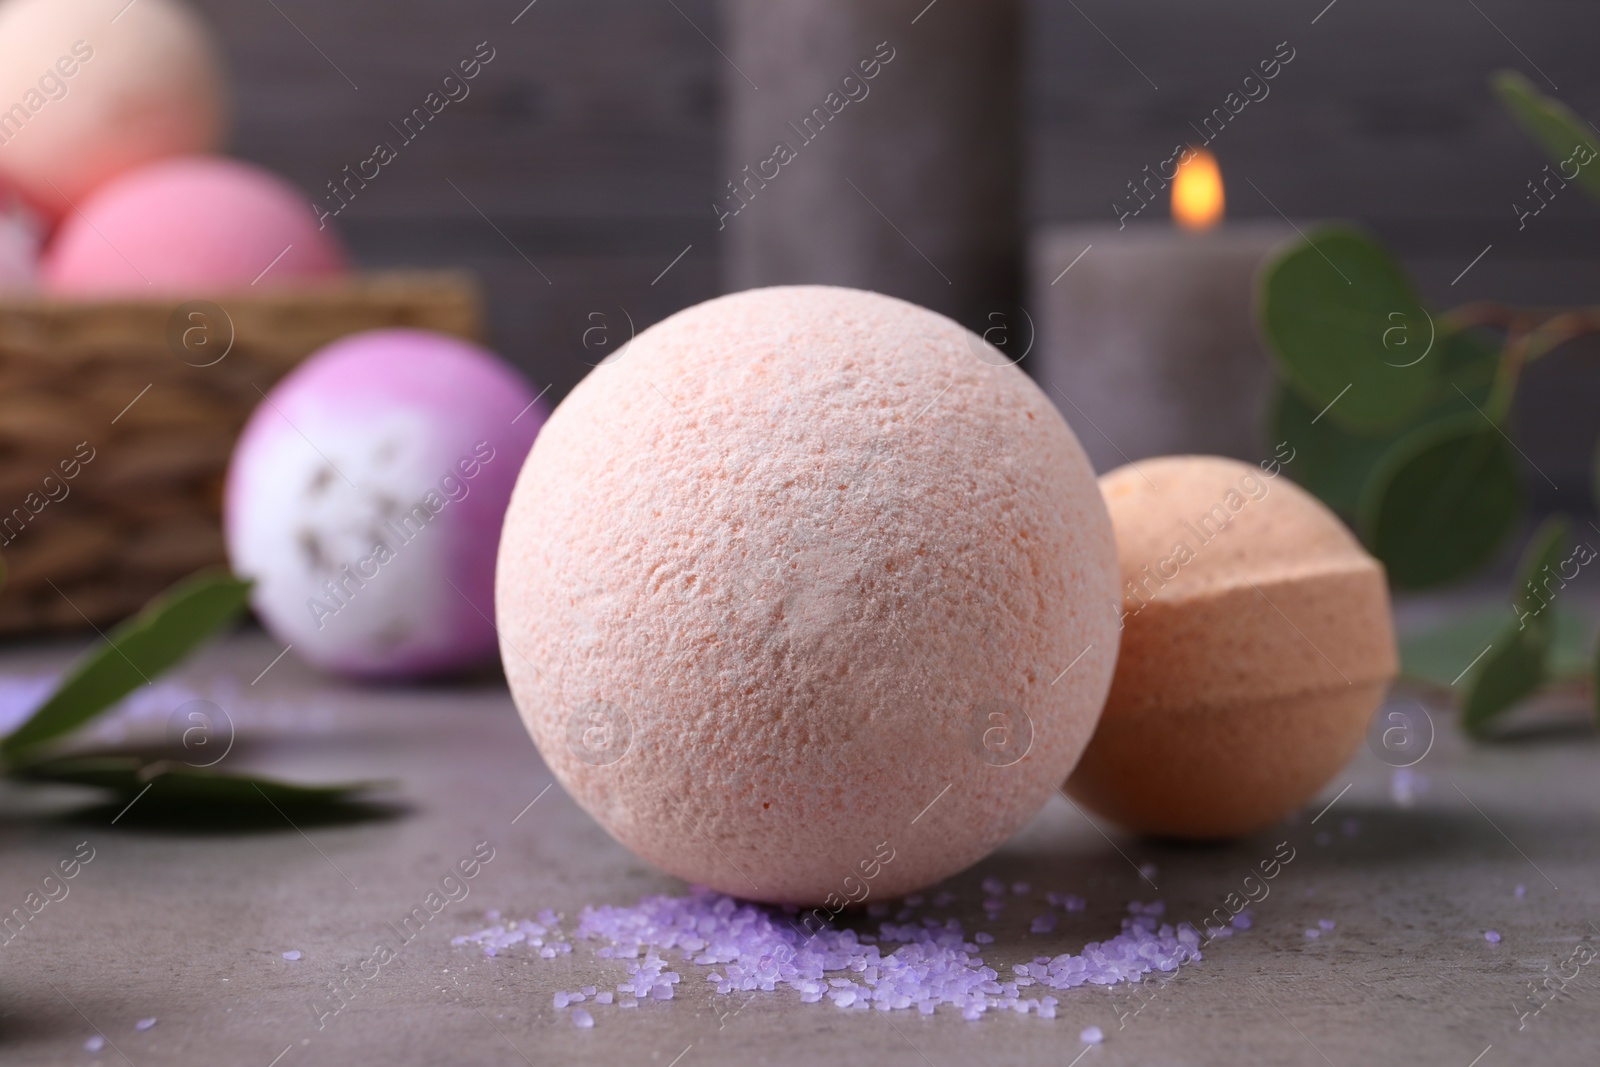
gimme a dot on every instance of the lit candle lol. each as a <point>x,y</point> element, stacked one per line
<point>1147,333</point>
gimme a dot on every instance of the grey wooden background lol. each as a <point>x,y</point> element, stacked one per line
<point>590,142</point>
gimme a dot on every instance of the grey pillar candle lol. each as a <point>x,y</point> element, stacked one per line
<point>1148,343</point>
<point>863,148</point>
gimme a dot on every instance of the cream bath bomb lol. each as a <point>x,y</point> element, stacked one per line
<point>1257,643</point>
<point>191,227</point>
<point>365,497</point>
<point>789,590</point>
<point>90,89</point>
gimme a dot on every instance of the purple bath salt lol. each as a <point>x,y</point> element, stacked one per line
<point>1148,871</point>
<point>747,948</point>
<point>1042,924</point>
<point>292,955</point>
<point>560,1001</point>
<point>1313,933</point>
<point>1492,936</point>
<point>95,1043</point>
<point>1520,892</point>
<point>1021,889</point>
<point>1326,924</point>
<point>587,990</point>
<point>1076,903</point>
<point>993,886</point>
<point>1092,1035</point>
<point>145,1024</point>
<point>582,1019</point>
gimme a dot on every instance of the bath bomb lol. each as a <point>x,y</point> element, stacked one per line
<point>90,89</point>
<point>190,227</point>
<point>790,589</point>
<point>366,495</point>
<point>1257,643</point>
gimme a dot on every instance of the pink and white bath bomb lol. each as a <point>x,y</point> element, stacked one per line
<point>365,497</point>
<point>789,592</point>
<point>91,89</point>
<point>191,227</point>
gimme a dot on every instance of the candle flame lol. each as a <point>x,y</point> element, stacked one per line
<point>1197,198</point>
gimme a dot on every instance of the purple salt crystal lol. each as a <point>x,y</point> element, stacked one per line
<point>145,1024</point>
<point>993,886</point>
<point>1042,924</point>
<point>1492,936</point>
<point>1313,933</point>
<point>1326,924</point>
<point>1021,889</point>
<point>1076,903</point>
<point>95,1043</point>
<point>1091,1035</point>
<point>292,954</point>
<point>1520,892</point>
<point>582,1019</point>
<point>561,1000</point>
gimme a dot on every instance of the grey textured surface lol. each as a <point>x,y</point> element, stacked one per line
<point>189,928</point>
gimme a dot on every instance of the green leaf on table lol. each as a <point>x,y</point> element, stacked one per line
<point>1442,501</point>
<point>137,650</point>
<point>1564,136</point>
<point>195,794</point>
<point>1348,331</point>
<point>1519,660</point>
<point>1439,655</point>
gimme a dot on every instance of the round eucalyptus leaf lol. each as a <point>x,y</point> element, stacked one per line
<point>1330,462</point>
<point>1441,501</point>
<point>1348,331</point>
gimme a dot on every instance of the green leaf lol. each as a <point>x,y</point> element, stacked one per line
<point>1513,669</point>
<point>1440,654</point>
<point>1442,501</point>
<point>1348,331</point>
<point>206,794</point>
<point>1335,464</point>
<point>1558,130</point>
<point>134,653</point>
<point>1518,661</point>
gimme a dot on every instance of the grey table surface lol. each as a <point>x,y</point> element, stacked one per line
<point>189,928</point>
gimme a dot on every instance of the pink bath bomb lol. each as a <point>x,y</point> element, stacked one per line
<point>190,227</point>
<point>808,596</point>
<point>365,497</point>
<point>90,89</point>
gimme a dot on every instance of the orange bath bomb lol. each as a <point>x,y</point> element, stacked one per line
<point>787,589</point>
<point>1257,643</point>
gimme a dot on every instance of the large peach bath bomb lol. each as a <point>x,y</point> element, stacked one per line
<point>94,88</point>
<point>1257,643</point>
<point>789,590</point>
<point>191,227</point>
<point>366,496</point>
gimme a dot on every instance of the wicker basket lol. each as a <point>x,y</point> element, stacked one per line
<point>117,420</point>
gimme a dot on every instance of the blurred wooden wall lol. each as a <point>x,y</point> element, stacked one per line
<point>590,143</point>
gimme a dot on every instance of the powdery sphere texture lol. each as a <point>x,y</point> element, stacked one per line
<point>1257,644</point>
<point>786,591</point>
<point>191,227</point>
<point>105,86</point>
<point>404,439</point>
